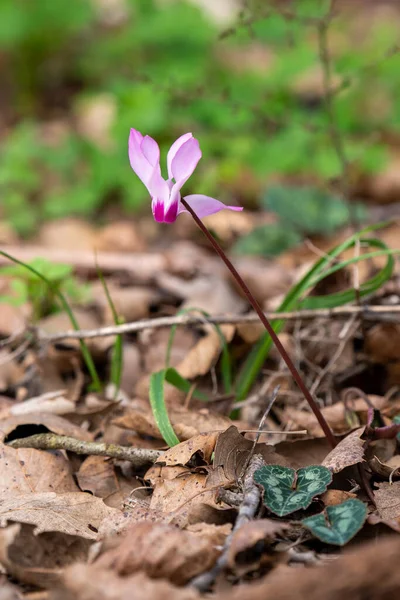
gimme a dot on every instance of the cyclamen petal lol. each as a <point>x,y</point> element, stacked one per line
<point>174,149</point>
<point>204,206</point>
<point>150,150</point>
<point>139,162</point>
<point>183,156</point>
<point>185,161</point>
<point>163,214</point>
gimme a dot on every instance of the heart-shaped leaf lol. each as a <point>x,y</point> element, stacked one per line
<point>287,490</point>
<point>338,524</point>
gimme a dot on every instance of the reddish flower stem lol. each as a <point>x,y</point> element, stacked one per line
<point>293,370</point>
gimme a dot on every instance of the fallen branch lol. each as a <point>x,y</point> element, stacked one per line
<point>372,313</point>
<point>247,510</point>
<point>139,457</point>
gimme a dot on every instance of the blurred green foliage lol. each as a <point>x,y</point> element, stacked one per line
<point>163,69</point>
<point>26,287</point>
<point>301,211</point>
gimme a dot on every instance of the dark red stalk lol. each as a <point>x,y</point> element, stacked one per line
<point>295,373</point>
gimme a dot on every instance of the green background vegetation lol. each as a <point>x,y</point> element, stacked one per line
<point>165,69</point>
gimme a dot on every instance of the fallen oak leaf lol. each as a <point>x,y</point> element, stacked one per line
<point>74,513</point>
<point>44,421</point>
<point>335,415</point>
<point>186,423</point>
<point>185,495</point>
<point>334,497</point>
<point>251,534</point>
<point>26,470</point>
<point>202,444</point>
<point>39,559</point>
<point>161,551</point>
<point>232,451</point>
<point>348,452</point>
<point>89,582</point>
<point>387,499</point>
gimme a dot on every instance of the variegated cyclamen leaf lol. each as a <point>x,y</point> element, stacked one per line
<point>287,490</point>
<point>339,523</point>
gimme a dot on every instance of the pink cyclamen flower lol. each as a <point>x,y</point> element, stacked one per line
<point>182,159</point>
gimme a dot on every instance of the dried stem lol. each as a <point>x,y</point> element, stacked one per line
<point>139,457</point>
<point>369,313</point>
<point>279,346</point>
<point>247,511</point>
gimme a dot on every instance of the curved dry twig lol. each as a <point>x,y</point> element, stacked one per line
<point>139,457</point>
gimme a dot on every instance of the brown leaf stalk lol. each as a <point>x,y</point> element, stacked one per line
<point>278,344</point>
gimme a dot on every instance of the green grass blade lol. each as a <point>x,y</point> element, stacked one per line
<point>159,409</point>
<point>96,383</point>
<point>171,375</point>
<point>294,300</point>
<point>181,383</point>
<point>117,356</point>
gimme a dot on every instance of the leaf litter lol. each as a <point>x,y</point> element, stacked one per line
<point>167,526</point>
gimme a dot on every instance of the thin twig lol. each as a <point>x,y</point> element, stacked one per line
<point>371,313</point>
<point>271,400</point>
<point>139,457</point>
<point>329,367</point>
<point>247,511</point>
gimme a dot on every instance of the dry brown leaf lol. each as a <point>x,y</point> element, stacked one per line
<point>364,573</point>
<point>88,582</point>
<point>250,534</point>
<point>203,444</point>
<point>135,511</point>
<point>38,559</point>
<point>9,591</point>
<point>68,233</point>
<point>379,453</point>
<point>27,470</point>
<point>348,452</point>
<point>266,278</point>
<point>333,497</point>
<point>186,423</point>
<point>46,403</point>
<point>208,292</point>
<point>387,499</point>
<point>87,320</point>
<point>382,343</point>
<point>384,185</point>
<point>231,454</point>
<point>302,453</point>
<point>131,303</point>
<point>131,367</point>
<point>335,415</point>
<point>11,372</point>
<point>120,236</point>
<point>185,495</point>
<point>52,423</point>
<point>97,475</point>
<point>94,117</point>
<point>253,57</point>
<point>230,225</point>
<point>205,353</point>
<point>215,534</point>
<point>74,513</point>
<point>13,319</point>
<point>153,344</point>
<point>160,551</point>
